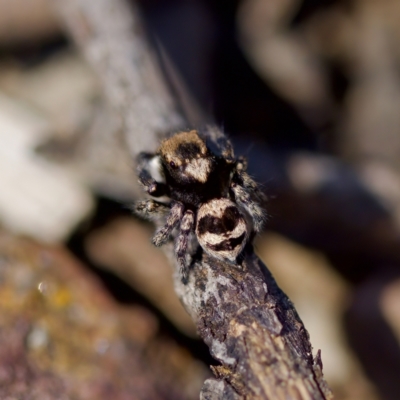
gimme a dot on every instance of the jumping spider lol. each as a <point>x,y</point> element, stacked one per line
<point>207,191</point>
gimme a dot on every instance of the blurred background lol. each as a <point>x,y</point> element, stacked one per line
<point>308,91</point>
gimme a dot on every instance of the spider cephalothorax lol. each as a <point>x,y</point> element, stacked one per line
<point>186,158</point>
<point>206,192</point>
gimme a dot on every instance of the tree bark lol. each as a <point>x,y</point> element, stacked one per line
<point>249,324</point>
<point>253,330</point>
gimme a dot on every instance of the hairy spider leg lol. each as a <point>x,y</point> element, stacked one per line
<point>181,243</point>
<point>151,210</point>
<point>249,196</point>
<point>174,216</point>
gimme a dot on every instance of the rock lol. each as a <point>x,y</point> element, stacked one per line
<point>62,336</point>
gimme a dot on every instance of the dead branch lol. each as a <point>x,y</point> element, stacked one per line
<point>112,38</point>
<point>252,328</point>
<point>249,324</point>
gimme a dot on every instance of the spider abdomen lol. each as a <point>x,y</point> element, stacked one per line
<point>221,229</point>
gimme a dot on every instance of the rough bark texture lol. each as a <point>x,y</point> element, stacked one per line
<point>250,326</point>
<point>254,331</point>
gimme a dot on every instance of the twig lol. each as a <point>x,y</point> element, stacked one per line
<point>249,324</point>
<point>112,38</point>
<point>254,331</point>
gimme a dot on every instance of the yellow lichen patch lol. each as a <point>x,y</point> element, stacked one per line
<point>61,298</point>
<point>236,328</point>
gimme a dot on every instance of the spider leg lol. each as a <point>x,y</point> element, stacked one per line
<point>181,243</point>
<point>174,216</point>
<point>250,197</point>
<point>150,210</point>
<point>145,163</point>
